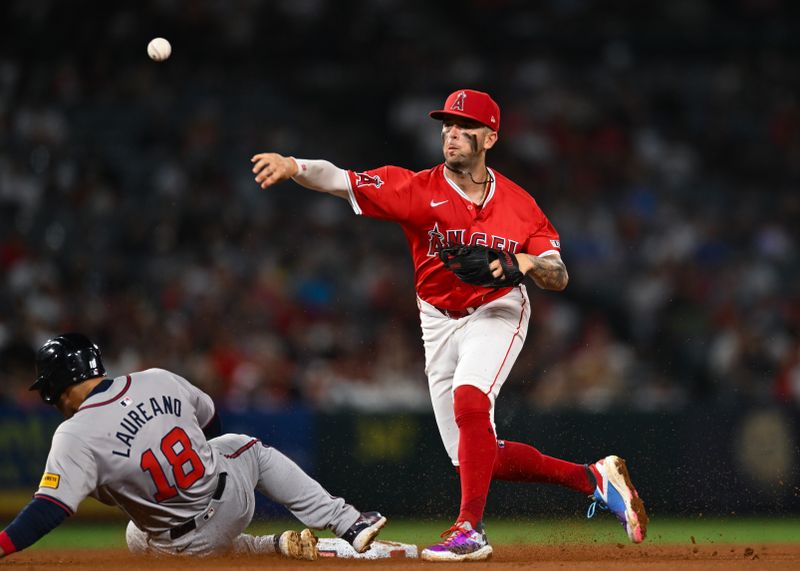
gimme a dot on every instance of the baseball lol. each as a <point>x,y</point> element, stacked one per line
<point>159,49</point>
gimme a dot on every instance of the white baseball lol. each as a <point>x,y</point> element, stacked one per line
<point>159,49</point>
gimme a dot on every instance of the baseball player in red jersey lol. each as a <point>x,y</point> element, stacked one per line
<point>472,335</point>
<point>149,443</point>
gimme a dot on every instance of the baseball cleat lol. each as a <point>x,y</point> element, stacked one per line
<point>463,544</point>
<point>308,545</point>
<point>615,493</point>
<point>364,531</point>
<point>296,545</point>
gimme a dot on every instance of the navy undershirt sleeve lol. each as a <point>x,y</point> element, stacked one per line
<point>213,428</point>
<point>36,520</point>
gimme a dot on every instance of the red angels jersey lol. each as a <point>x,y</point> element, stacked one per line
<point>433,212</point>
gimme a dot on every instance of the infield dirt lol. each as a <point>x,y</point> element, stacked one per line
<point>545,558</point>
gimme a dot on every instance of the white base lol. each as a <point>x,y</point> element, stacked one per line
<point>331,547</point>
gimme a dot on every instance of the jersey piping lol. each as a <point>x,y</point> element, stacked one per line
<point>461,192</point>
<point>514,336</point>
<point>549,253</point>
<point>352,197</point>
<point>122,392</point>
<point>51,499</point>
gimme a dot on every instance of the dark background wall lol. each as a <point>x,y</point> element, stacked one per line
<point>693,463</point>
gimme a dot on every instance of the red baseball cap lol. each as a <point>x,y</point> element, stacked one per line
<point>475,105</point>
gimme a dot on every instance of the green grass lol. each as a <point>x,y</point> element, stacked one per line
<point>607,530</point>
<point>77,534</point>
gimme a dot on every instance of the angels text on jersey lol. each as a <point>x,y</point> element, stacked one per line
<point>438,240</point>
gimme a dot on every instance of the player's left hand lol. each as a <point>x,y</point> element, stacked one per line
<point>481,265</point>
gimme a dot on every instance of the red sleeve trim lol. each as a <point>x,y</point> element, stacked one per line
<point>54,501</point>
<point>6,544</point>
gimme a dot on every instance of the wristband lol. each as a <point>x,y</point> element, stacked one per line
<point>6,544</point>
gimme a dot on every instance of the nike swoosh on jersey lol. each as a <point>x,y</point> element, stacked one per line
<point>435,204</point>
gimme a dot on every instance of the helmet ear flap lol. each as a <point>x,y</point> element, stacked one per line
<point>48,395</point>
<point>45,388</point>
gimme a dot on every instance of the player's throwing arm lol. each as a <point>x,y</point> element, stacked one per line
<point>319,175</point>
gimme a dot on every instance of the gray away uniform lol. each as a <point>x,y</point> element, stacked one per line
<point>139,445</point>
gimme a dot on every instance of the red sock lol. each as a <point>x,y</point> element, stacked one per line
<point>477,448</point>
<point>519,462</point>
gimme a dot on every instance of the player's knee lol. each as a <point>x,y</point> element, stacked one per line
<point>468,398</point>
<point>468,401</point>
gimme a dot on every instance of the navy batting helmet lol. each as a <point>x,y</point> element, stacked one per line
<point>63,361</point>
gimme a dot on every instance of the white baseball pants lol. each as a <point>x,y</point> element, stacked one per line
<point>477,350</point>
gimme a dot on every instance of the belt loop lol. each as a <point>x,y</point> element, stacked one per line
<point>223,477</point>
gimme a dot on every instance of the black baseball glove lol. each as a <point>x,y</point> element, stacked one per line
<point>471,265</point>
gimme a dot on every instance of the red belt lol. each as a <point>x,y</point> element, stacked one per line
<point>454,313</point>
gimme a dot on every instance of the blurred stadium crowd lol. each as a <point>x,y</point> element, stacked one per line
<point>662,140</point>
